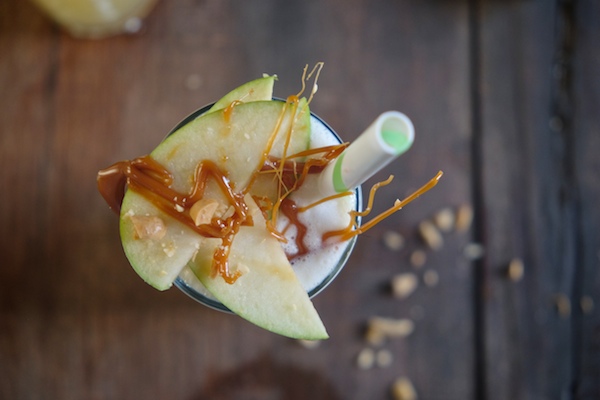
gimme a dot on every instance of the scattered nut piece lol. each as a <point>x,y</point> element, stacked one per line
<point>148,227</point>
<point>587,304</point>
<point>169,249</point>
<point>430,235</point>
<point>418,258</point>
<point>179,208</point>
<point>403,285</point>
<point>221,210</point>
<point>431,278</point>
<point>365,359</point>
<point>384,358</point>
<point>374,336</point>
<point>464,218</point>
<point>516,269</point>
<point>203,210</point>
<point>393,240</point>
<point>229,213</point>
<point>473,251</point>
<point>309,344</point>
<point>242,268</point>
<point>563,305</point>
<point>403,389</point>
<point>444,219</point>
<point>380,328</point>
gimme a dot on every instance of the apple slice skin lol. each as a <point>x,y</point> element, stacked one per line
<point>156,261</point>
<point>236,145</point>
<point>268,293</point>
<point>256,90</point>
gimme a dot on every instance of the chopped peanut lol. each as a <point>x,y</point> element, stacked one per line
<point>242,269</point>
<point>474,251</point>
<point>403,285</point>
<point>587,304</point>
<point>309,344</point>
<point>148,227</point>
<point>403,389</point>
<point>563,305</point>
<point>430,234</point>
<point>516,270</point>
<point>464,218</point>
<point>431,278</point>
<point>393,240</point>
<point>444,219</point>
<point>365,359</point>
<point>203,210</point>
<point>418,258</point>
<point>380,328</point>
<point>384,358</point>
<point>229,212</point>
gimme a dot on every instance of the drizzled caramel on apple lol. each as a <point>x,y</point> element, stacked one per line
<point>147,177</point>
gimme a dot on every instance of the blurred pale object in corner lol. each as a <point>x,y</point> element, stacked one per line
<point>97,18</point>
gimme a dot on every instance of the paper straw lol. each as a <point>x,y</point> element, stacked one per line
<point>390,135</point>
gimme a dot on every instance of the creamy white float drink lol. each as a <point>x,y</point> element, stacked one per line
<point>324,261</point>
<point>255,198</point>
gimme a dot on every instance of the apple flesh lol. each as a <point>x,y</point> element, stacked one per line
<point>256,90</point>
<point>267,293</point>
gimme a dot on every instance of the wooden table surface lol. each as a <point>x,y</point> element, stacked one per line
<point>505,98</point>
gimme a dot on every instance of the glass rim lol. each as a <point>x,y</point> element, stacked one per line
<point>217,305</point>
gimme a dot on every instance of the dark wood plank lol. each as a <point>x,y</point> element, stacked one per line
<point>586,147</point>
<point>527,344</point>
<point>535,205</point>
<point>76,322</point>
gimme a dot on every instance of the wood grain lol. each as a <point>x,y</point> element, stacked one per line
<point>479,80</point>
<point>531,201</point>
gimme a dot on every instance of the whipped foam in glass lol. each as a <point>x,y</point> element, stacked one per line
<point>322,263</point>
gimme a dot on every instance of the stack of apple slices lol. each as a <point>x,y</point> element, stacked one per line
<point>233,135</point>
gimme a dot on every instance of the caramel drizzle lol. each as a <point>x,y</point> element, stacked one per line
<point>146,176</point>
<point>353,229</point>
<point>291,175</point>
<point>149,178</point>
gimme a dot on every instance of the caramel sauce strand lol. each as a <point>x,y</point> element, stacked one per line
<point>111,185</point>
<point>228,111</point>
<point>281,195</point>
<point>220,264</point>
<point>290,210</point>
<point>323,200</point>
<point>331,152</point>
<point>146,176</point>
<point>206,168</point>
<point>266,150</point>
<point>288,171</point>
<point>349,233</point>
<point>305,77</point>
<point>354,214</point>
<point>290,180</point>
<point>372,192</point>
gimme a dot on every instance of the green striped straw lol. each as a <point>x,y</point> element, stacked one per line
<point>389,136</point>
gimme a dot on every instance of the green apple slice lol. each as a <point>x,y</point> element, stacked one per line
<point>268,293</point>
<point>235,143</point>
<point>156,260</point>
<point>256,90</point>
